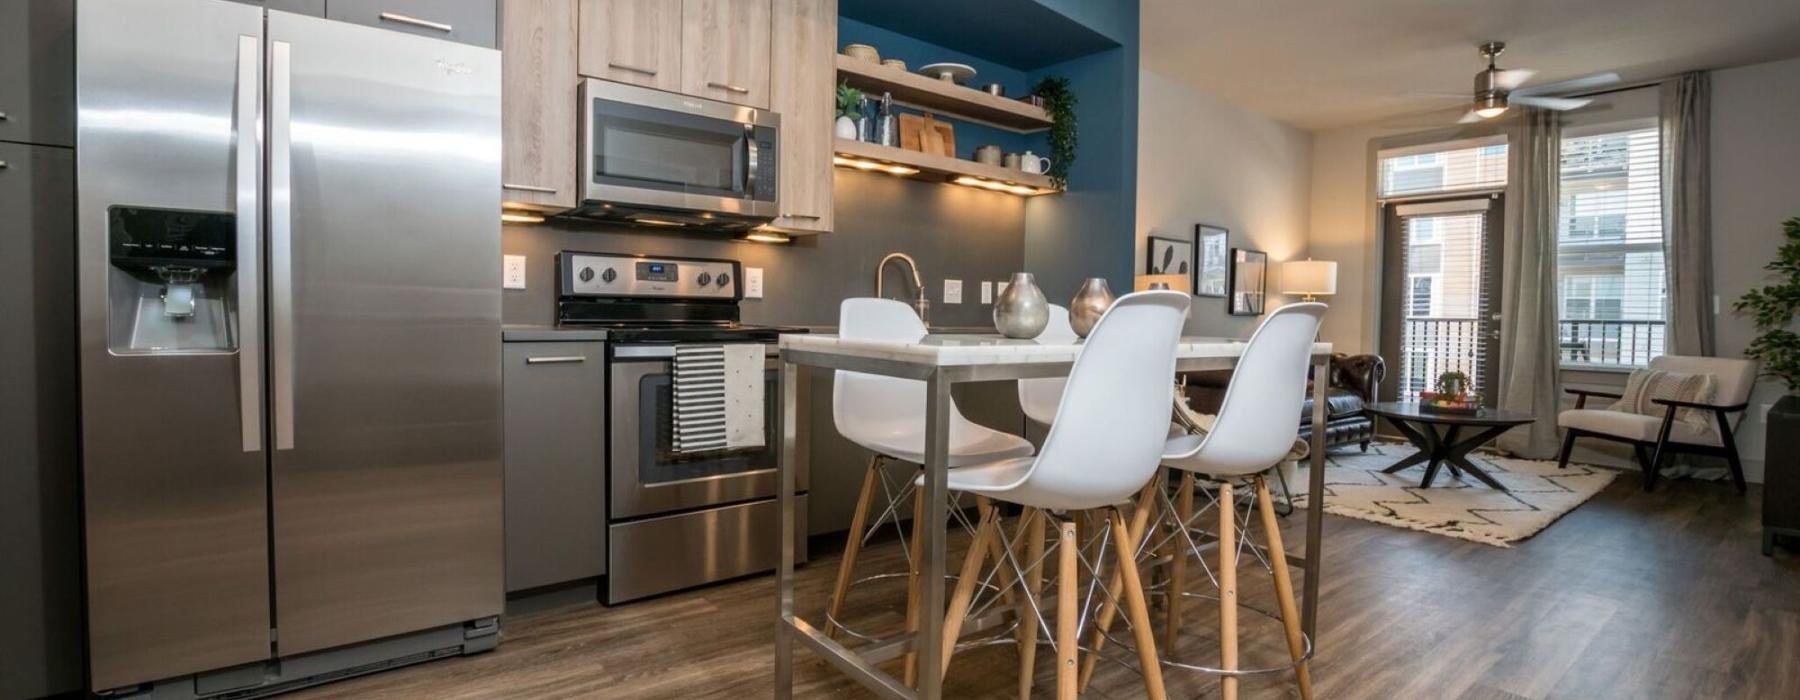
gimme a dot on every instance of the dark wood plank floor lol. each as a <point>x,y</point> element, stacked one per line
<point>1633,595</point>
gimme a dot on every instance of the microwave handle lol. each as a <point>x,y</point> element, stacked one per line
<point>750,156</point>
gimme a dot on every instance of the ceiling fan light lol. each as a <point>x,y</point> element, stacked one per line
<point>1490,112</point>
<point>1490,105</point>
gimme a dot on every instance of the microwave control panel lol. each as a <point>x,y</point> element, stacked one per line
<point>638,277</point>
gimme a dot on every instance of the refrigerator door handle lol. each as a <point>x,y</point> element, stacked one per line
<point>247,180</point>
<point>281,243</point>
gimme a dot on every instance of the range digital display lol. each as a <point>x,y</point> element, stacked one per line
<point>146,237</point>
<point>658,272</point>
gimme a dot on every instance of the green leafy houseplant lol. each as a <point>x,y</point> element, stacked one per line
<point>1773,307</point>
<point>1452,384</point>
<point>849,101</point>
<point>1060,102</point>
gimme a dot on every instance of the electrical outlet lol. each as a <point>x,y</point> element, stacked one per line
<point>753,283</point>
<point>953,291</point>
<point>987,292</point>
<point>999,289</point>
<point>512,272</point>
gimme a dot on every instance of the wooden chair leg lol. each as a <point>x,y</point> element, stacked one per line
<point>1140,521</point>
<point>1033,524</point>
<point>910,676</point>
<point>1284,587</point>
<point>1228,639</point>
<point>965,582</point>
<point>996,547</point>
<point>1184,510</point>
<point>1138,609</point>
<point>852,546</point>
<point>1562,458</point>
<point>1067,616</point>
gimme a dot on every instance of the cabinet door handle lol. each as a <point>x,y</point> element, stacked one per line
<point>528,188</point>
<point>733,88</point>
<point>634,69</point>
<point>558,360</point>
<point>803,216</point>
<point>414,21</point>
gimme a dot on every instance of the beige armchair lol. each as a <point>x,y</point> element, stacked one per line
<point>1652,436</point>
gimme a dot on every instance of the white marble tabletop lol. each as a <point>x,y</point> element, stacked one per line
<point>947,350</point>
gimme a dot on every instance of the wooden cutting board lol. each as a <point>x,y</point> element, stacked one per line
<point>923,133</point>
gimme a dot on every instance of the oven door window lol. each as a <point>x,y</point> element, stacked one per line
<point>659,463</point>
<point>637,146</point>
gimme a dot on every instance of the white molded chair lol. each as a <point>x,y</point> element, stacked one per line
<point>886,415</point>
<point>1651,437</point>
<point>1104,446</point>
<point>1039,397</point>
<point>1254,431</point>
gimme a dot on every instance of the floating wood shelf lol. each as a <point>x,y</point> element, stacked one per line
<point>945,168</point>
<point>941,97</point>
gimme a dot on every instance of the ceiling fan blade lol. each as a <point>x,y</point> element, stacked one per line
<point>1573,85</point>
<point>1512,79</point>
<point>1436,93</point>
<point>1470,118</point>
<point>1557,103</point>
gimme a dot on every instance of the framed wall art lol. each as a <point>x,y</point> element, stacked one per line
<point>1249,282</point>
<point>1211,270</point>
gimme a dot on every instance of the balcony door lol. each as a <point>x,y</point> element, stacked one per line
<point>1440,296</point>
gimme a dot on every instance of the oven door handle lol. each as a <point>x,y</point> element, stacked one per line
<point>660,352</point>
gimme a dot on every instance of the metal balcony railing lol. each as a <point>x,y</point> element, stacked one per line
<point>1610,343</point>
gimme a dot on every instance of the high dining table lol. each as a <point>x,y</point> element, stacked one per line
<point>941,361</point>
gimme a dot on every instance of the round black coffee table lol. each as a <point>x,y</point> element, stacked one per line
<point>1447,447</point>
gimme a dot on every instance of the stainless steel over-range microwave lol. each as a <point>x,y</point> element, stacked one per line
<point>658,158</point>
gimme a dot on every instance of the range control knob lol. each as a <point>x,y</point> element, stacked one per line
<point>724,279</point>
<point>608,276</point>
<point>587,274</point>
<point>704,279</point>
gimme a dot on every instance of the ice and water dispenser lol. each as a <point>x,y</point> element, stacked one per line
<point>172,286</point>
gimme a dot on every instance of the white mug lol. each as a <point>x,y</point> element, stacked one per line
<point>1033,163</point>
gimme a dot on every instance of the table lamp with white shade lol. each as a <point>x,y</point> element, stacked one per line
<point>1309,278</point>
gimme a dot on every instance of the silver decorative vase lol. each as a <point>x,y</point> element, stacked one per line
<point>1021,311</point>
<point>1089,304</point>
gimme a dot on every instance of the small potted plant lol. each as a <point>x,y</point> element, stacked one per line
<point>1452,395</point>
<point>849,106</point>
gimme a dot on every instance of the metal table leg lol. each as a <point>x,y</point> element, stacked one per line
<point>929,642</point>
<point>784,573</point>
<point>1315,504</point>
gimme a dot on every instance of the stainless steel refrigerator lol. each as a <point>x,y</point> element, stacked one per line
<point>290,345</point>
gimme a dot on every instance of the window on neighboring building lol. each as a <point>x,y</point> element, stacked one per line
<point>1610,247</point>
<point>1419,290</point>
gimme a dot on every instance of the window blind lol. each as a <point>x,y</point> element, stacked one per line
<point>1478,165</point>
<point>1611,283</point>
<point>1447,321</point>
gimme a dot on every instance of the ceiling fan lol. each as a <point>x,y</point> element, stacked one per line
<point>1497,89</point>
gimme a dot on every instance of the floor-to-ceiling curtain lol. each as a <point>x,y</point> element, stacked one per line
<point>1687,202</point>
<point>1528,357</point>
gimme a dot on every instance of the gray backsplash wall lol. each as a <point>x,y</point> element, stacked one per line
<point>954,232</point>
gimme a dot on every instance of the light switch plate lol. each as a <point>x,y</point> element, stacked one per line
<point>987,292</point>
<point>953,291</point>
<point>512,272</point>
<point>753,283</point>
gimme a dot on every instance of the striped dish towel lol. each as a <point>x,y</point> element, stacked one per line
<point>718,397</point>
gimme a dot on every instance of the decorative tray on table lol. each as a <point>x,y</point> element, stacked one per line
<point>1433,402</point>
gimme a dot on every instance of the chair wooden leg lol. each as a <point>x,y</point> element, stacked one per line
<point>1033,524</point>
<point>1562,458</point>
<point>1284,587</point>
<point>965,582</point>
<point>1228,628</point>
<point>1184,510</point>
<point>852,546</point>
<point>1067,616</point>
<point>996,546</point>
<point>1140,521</point>
<point>910,676</point>
<point>1138,609</point>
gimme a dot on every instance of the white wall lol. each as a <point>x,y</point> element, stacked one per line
<point>1202,160</point>
<point>1755,186</point>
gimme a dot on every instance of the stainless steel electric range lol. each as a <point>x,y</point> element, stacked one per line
<point>675,520</point>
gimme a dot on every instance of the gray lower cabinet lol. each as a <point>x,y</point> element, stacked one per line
<point>40,547</point>
<point>37,71</point>
<point>315,8</point>
<point>466,21</point>
<point>555,462</point>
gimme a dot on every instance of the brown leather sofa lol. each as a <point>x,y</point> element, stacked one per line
<point>1354,380</point>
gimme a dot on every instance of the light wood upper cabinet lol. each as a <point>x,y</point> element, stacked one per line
<point>725,50</point>
<point>804,34</point>
<point>538,85</point>
<point>633,41</point>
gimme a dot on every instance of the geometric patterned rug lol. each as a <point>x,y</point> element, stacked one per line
<point>1466,509</point>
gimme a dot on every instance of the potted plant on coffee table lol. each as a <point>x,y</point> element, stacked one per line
<point>1452,395</point>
